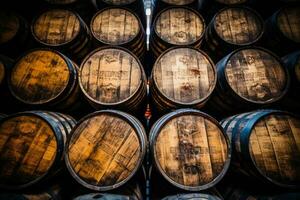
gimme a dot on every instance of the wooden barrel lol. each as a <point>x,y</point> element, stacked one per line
<point>192,196</point>
<point>62,2</point>
<point>112,77</point>
<point>231,28</point>
<point>266,143</point>
<point>182,77</point>
<point>176,26</point>
<point>5,66</point>
<point>292,99</point>
<point>121,27</point>
<point>107,158</point>
<point>13,34</point>
<point>232,2</point>
<point>62,30</point>
<point>249,77</point>
<point>283,30</point>
<point>44,77</point>
<point>31,145</point>
<point>104,196</point>
<point>134,5</point>
<point>190,149</point>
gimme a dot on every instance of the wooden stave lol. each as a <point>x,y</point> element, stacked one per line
<point>240,140</point>
<point>162,102</point>
<point>154,131</point>
<point>141,133</point>
<point>59,134</point>
<point>134,102</point>
<point>227,99</point>
<point>192,196</point>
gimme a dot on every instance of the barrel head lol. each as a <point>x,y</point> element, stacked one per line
<point>10,24</point>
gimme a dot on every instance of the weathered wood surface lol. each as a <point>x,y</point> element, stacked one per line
<point>256,75</point>
<point>103,196</point>
<point>193,196</point>
<point>115,26</point>
<point>289,24</point>
<point>238,25</point>
<point>39,76</point>
<point>56,27</point>
<point>9,26</point>
<point>110,75</point>
<point>179,26</point>
<point>184,75</point>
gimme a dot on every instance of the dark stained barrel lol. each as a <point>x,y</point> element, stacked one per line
<point>62,30</point>
<point>121,27</point>
<point>176,26</point>
<point>232,28</point>
<point>283,30</point>
<point>248,78</point>
<point>106,149</point>
<point>232,2</point>
<point>182,77</point>
<point>62,2</point>
<point>31,145</point>
<point>266,143</point>
<point>190,149</point>
<point>103,196</point>
<point>5,66</point>
<point>44,77</point>
<point>192,196</point>
<point>112,77</point>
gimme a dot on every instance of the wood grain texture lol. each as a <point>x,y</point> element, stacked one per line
<point>179,26</point>
<point>119,2</point>
<point>110,75</point>
<point>28,148</point>
<point>184,75</point>
<point>231,2</point>
<point>115,26</point>
<point>9,26</point>
<point>104,196</point>
<point>191,150</point>
<point>275,148</point>
<point>256,75</point>
<point>289,24</point>
<point>238,25</point>
<point>104,150</point>
<point>39,76</point>
<point>56,27</point>
<point>178,2</point>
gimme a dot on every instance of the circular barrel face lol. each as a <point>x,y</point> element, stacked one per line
<point>178,2</point>
<point>39,77</point>
<point>184,75</point>
<point>61,2</point>
<point>28,149</point>
<point>256,75</point>
<point>289,23</point>
<point>192,196</point>
<point>231,2</point>
<point>179,26</point>
<point>190,150</point>
<point>110,76</point>
<point>239,26</point>
<point>115,26</point>
<point>119,2</point>
<point>104,151</point>
<point>56,27</point>
<point>274,147</point>
<point>9,24</point>
<point>2,72</point>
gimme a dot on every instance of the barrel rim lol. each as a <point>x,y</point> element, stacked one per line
<point>68,62</point>
<point>99,103</point>
<point>33,23</point>
<point>183,8</point>
<point>186,4</point>
<point>115,8</point>
<point>195,102</point>
<point>254,12</point>
<point>287,85</point>
<point>140,133</point>
<point>155,131</point>
<point>58,154</point>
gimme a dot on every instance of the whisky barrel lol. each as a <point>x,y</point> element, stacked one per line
<point>62,30</point>
<point>44,77</point>
<point>5,66</point>
<point>249,77</point>
<point>292,99</point>
<point>266,143</point>
<point>190,149</point>
<point>121,27</point>
<point>176,26</point>
<point>104,196</point>
<point>108,157</point>
<point>134,5</point>
<point>112,77</point>
<point>13,34</point>
<point>232,28</point>
<point>232,2</point>
<point>192,196</point>
<point>62,2</point>
<point>31,145</point>
<point>182,77</point>
<point>283,30</point>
